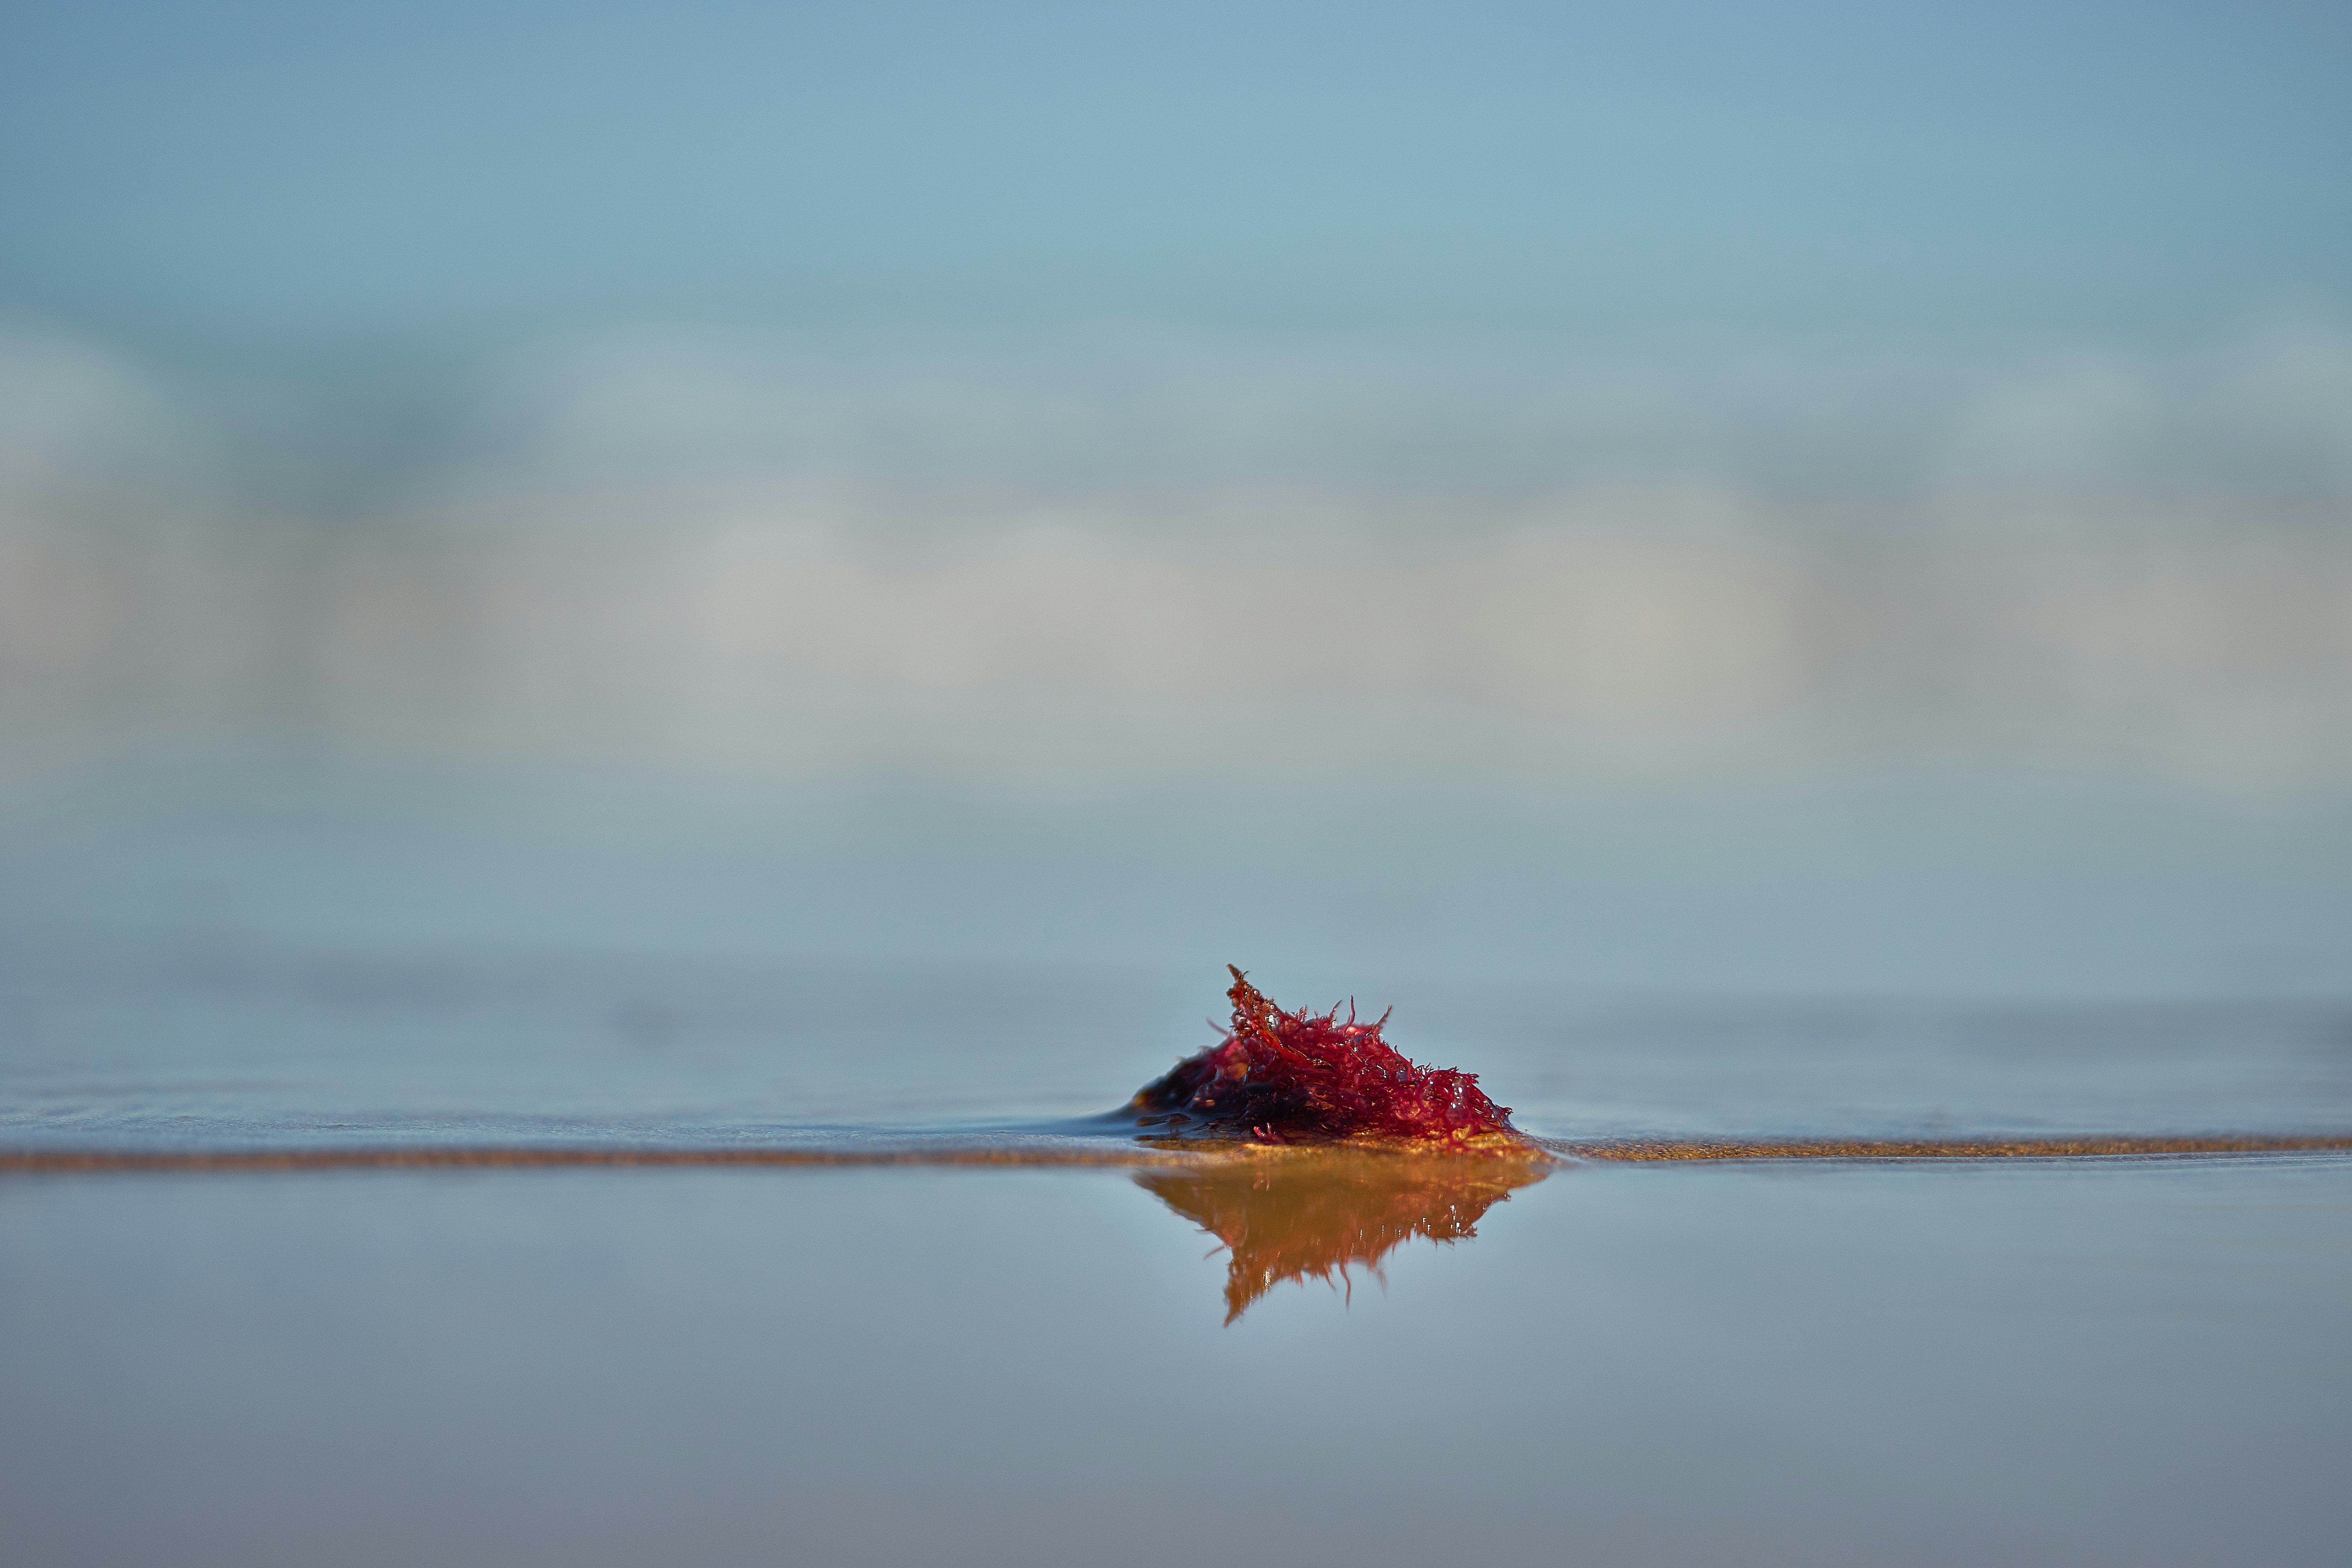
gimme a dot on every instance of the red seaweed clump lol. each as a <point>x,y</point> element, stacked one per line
<point>1280,1078</point>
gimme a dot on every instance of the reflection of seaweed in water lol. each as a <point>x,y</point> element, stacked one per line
<point>1286,1219</point>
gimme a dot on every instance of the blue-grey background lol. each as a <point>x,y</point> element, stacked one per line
<point>800,574</point>
<point>1808,498</point>
<point>287,176</point>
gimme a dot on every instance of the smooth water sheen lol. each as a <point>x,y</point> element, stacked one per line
<point>154,1046</point>
<point>2112,1363</point>
<point>1291,1358</point>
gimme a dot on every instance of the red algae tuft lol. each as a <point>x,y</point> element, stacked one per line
<point>1281,1078</point>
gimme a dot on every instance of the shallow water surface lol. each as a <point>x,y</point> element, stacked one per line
<point>2106,1361</point>
<point>177,1044</point>
<point>1292,1357</point>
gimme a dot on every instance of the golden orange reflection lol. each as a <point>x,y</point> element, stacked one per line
<point>1319,1214</point>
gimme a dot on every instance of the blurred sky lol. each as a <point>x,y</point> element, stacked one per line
<point>266,177</point>
<point>1870,487</point>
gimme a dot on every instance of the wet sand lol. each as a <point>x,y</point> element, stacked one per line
<point>1158,1153</point>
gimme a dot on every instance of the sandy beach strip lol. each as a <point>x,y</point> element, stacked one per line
<point>1620,1150</point>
